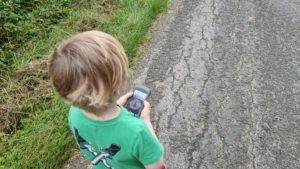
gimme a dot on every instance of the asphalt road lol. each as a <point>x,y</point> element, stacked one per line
<point>225,80</point>
<point>226,83</point>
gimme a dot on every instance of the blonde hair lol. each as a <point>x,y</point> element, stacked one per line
<point>89,70</point>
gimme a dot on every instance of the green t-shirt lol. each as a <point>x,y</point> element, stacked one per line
<point>123,142</point>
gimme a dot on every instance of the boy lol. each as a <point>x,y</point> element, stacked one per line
<point>89,70</point>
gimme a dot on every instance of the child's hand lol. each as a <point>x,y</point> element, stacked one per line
<point>145,114</point>
<point>123,99</point>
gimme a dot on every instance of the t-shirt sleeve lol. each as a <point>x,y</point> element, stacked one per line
<point>147,148</point>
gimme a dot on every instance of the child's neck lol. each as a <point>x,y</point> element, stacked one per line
<point>111,112</point>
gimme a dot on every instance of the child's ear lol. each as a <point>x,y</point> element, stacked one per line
<point>118,93</point>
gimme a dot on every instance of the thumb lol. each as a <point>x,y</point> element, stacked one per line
<point>127,95</point>
<point>123,99</point>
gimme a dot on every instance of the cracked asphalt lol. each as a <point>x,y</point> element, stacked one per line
<point>225,80</point>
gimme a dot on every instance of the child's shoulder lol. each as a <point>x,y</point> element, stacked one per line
<point>74,111</point>
<point>126,120</point>
<point>131,121</point>
<point>74,115</point>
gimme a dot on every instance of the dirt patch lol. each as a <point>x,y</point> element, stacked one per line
<point>105,7</point>
<point>78,161</point>
<point>19,90</point>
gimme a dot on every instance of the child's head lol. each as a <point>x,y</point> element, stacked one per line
<point>89,69</point>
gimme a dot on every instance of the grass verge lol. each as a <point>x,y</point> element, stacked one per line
<point>43,140</point>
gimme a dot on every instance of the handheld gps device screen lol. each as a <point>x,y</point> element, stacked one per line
<point>135,103</point>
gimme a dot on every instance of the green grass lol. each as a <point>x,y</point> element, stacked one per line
<point>22,20</point>
<point>44,140</point>
<point>132,23</point>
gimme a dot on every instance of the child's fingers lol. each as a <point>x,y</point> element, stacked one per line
<point>123,99</point>
<point>146,105</point>
<point>127,95</point>
<point>145,114</point>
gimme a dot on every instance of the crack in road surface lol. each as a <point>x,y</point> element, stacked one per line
<point>225,80</point>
